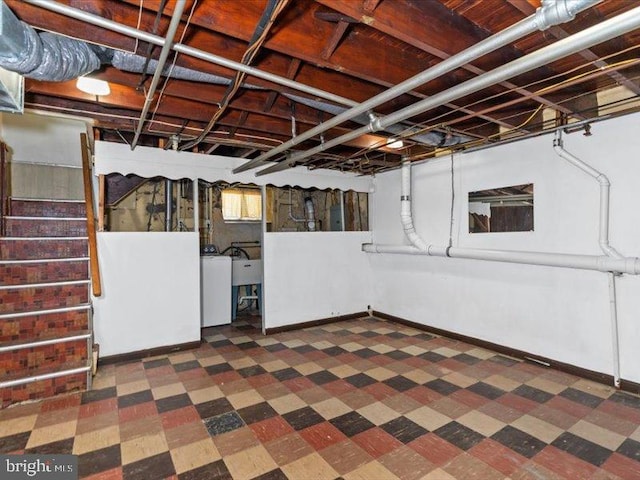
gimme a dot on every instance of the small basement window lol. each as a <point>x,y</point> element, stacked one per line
<point>506,209</point>
<point>241,204</point>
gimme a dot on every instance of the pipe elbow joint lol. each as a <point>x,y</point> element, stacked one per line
<point>603,180</point>
<point>554,12</point>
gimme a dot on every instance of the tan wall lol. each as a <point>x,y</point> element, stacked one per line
<point>45,181</point>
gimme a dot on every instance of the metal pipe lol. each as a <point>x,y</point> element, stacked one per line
<point>168,205</point>
<point>186,50</point>
<point>549,14</point>
<point>5,316</point>
<point>162,59</point>
<point>600,263</point>
<point>584,39</point>
<point>41,343</point>
<point>615,339</point>
<point>44,376</point>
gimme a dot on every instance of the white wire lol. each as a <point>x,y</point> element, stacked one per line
<point>173,64</point>
<point>138,25</point>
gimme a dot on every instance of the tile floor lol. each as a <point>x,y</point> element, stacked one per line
<point>363,399</point>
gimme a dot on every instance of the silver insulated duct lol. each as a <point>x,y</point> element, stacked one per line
<point>42,56</point>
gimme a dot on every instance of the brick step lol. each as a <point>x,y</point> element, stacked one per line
<point>45,227</point>
<point>45,388</point>
<point>13,248</point>
<point>38,360</point>
<point>23,207</point>
<point>36,271</point>
<point>43,325</point>
<point>43,296</point>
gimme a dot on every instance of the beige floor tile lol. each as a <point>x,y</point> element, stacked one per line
<point>12,426</point>
<point>132,387</point>
<point>143,447</point>
<point>167,390</point>
<point>481,353</point>
<point>446,352</point>
<point>419,376</point>
<point>636,435</point>
<point>596,434</point>
<point>481,423</point>
<point>250,463</point>
<point>322,344</point>
<point>351,346</point>
<point>308,368</point>
<point>205,394</point>
<point>103,381</point>
<point>287,403</point>
<point>381,373</point>
<point>212,360</point>
<point>181,357</point>
<point>439,474</point>
<point>459,379</point>
<point>194,455</point>
<point>264,342</point>
<point>245,399</point>
<point>538,428</point>
<point>501,382</point>
<point>331,408</point>
<point>370,471</point>
<point>343,371</point>
<point>294,343</point>
<point>378,413</point>
<point>413,350</point>
<point>311,467</point>
<point>428,418</point>
<point>382,348</point>
<point>546,385</point>
<point>60,431</point>
<point>597,389</point>
<point>384,330</point>
<point>242,363</point>
<point>274,365</point>
<point>95,440</point>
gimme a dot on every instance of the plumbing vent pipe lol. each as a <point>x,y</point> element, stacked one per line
<point>311,214</point>
<point>42,56</point>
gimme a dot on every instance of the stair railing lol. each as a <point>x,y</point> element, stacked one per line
<point>4,187</point>
<point>96,285</point>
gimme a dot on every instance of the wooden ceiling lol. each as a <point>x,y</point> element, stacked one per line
<point>352,48</point>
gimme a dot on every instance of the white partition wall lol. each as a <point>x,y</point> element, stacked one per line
<point>557,313</point>
<point>314,275</point>
<point>150,291</point>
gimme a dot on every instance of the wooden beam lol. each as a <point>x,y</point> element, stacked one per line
<point>101,197</point>
<point>241,122</point>
<point>294,66</point>
<point>334,40</point>
<point>369,6</point>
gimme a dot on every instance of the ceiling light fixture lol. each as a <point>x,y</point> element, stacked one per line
<point>395,144</point>
<point>93,86</point>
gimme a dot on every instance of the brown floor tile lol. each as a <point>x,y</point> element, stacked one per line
<point>288,448</point>
<point>406,463</point>
<point>564,464</point>
<point>376,442</point>
<point>470,468</point>
<point>498,456</point>
<point>235,441</point>
<point>322,435</point>
<point>185,434</point>
<point>270,429</point>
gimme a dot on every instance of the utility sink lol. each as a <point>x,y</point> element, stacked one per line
<point>246,272</point>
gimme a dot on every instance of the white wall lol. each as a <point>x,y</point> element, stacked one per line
<point>43,139</point>
<point>44,152</point>
<point>558,313</point>
<point>151,291</point>
<point>314,275</point>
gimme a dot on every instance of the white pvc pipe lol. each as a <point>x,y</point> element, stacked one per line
<point>605,185</point>
<point>405,209</point>
<point>603,240</point>
<point>600,263</point>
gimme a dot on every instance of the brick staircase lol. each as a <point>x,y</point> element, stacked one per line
<point>45,312</point>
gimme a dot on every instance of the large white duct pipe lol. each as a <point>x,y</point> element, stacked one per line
<point>603,240</point>
<point>405,209</point>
